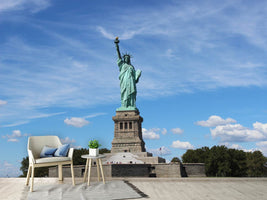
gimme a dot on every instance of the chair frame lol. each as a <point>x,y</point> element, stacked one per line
<point>33,164</point>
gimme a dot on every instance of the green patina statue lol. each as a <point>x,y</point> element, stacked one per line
<point>128,79</point>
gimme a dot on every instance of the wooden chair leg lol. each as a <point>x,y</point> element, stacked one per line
<point>72,174</point>
<point>32,178</point>
<point>60,176</point>
<point>28,175</point>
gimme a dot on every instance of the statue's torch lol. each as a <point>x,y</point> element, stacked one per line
<point>116,41</point>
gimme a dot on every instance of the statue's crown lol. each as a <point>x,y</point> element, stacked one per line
<point>126,55</point>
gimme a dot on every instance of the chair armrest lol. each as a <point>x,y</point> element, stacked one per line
<point>31,157</point>
<point>70,154</point>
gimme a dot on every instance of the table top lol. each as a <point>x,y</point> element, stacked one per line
<point>87,156</point>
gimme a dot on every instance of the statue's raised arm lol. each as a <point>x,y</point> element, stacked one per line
<point>116,41</point>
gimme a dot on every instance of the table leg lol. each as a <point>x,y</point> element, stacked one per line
<point>86,170</point>
<point>97,167</point>
<point>101,168</point>
<point>89,171</point>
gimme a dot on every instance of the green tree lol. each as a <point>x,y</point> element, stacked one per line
<point>256,164</point>
<point>190,156</point>
<point>104,150</point>
<point>175,159</point>
<point>221,161</point>
<point>38,172</point>
<point>77,159</point>
<point>218,162</point>
<point>196,156</point>
<point>238,163</point>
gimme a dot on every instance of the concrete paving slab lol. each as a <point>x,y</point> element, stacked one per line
<point>162,188</point>
<point>204,188</point>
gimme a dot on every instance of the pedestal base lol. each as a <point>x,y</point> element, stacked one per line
<point>128,132</point>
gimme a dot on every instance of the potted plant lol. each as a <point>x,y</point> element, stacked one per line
<point>93,147</point>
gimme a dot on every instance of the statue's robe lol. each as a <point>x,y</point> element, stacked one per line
<point>128,79</point>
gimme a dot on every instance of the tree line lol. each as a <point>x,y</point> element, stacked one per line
<point>221,161</point>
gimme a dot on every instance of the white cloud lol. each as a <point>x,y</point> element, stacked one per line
<point>79,83</point>
<point>33,5</point>
<point>262,147</point>
<point>81,121</point>
<point>182,145</point>
<point>13,140</point>
<point>67,140</point>
<point>79,64</point>
<point>15,124</point>
<point>215,121</point>
<point>72,142</point>
<point>7,169</point>
<point>14,137</point>
<point>260,127</point>
<point>164,131</point>
<point>76,121</point>
<point>94,115</point>
<point>125,35</point>
<point>105,33</point>
<point>262,143</point>
<point>2,102</point>
<point>177,131</point>
<point>236,146</point>
<point>162,151</point>
<point>171,55</point>
<point>7,165</point>
<point>42,115</point>
<point>45,115</point>
<point>16,133</point>
<point>150,134</point>
<point>76,86</point>
<point>227,130</point>
<point>238,133</point>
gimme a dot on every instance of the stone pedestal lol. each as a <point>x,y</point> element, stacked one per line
<point>128,132</point>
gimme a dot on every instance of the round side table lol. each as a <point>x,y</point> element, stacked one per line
<point>89,165</point>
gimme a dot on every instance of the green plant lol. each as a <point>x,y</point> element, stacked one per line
<point>94,144</point>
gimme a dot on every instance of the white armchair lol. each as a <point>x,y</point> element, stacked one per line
<point>35,146</point>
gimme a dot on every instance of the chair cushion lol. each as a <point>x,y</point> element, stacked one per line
<point>47,151</point>
<point>52,159</point>
<point>62,150</point>
<point>36,143</point>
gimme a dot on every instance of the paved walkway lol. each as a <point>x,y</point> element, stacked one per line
<point>204,188</point>
<point>164,188</point>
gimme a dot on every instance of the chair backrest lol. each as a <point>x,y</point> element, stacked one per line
<point>36,143</point>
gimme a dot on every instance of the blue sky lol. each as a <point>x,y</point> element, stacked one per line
<point>203,83</point>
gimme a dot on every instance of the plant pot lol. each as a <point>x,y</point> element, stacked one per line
<point>93,152</point>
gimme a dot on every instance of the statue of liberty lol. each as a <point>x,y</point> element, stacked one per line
<point>128,79</point>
